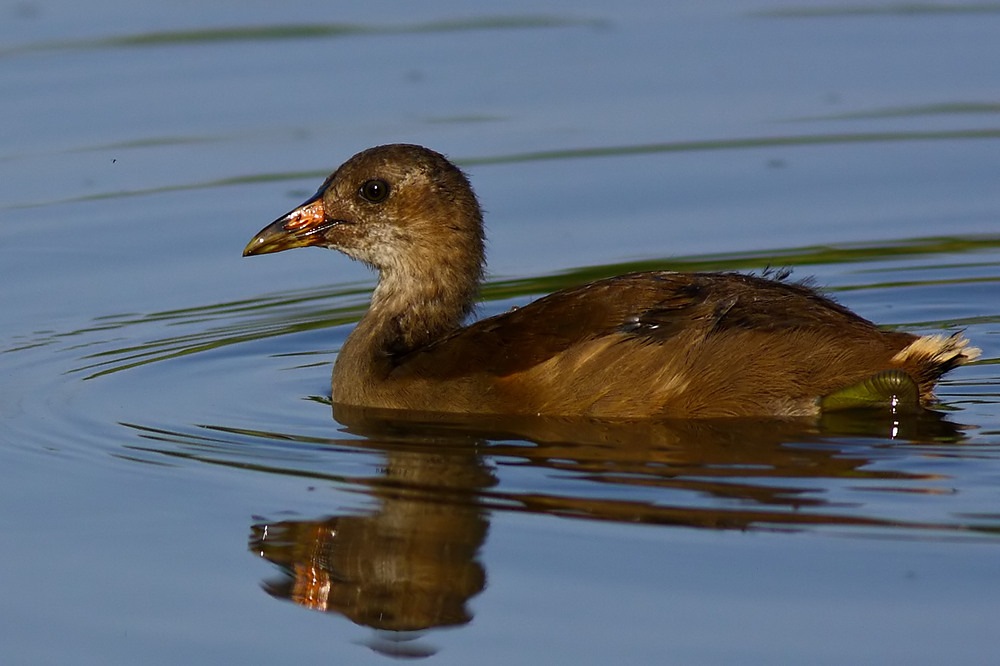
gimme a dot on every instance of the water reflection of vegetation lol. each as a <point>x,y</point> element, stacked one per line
<point>309,31</point>
<point>730,144</point>
<point>578,153</point>
<point>832,10</point>
<point>287,313</point>
<point>945,109</point>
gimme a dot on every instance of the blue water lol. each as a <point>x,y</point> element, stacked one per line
<point>174,487</point>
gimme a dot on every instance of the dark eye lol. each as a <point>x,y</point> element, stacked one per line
<point>374,190</point>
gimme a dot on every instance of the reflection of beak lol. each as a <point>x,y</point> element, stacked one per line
<point>300,228</point>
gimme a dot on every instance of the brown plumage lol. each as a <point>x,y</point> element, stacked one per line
<point>638,345</point>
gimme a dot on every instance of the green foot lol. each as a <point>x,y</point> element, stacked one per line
<point>892,389</point>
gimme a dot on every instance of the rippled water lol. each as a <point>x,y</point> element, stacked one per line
<point>177,487</point>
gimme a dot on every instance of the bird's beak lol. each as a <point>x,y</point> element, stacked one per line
<point>300,228</point>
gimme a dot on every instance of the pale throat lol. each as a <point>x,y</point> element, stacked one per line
<point>415,306</point>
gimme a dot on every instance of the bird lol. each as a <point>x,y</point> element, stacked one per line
<point>655,344</point>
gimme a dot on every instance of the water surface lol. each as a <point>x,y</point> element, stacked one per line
<point>176,486</point>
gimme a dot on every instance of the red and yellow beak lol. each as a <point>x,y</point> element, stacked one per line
<point>300,228</point>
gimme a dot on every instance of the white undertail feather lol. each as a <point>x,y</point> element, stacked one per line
<point>938,349</point>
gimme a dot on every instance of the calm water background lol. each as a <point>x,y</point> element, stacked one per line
<point>174,489</point>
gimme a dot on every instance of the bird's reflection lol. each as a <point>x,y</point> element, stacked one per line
<point>411,562</point>
<point>407,565</point>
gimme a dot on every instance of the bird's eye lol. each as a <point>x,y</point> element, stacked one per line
<point>374,191</point>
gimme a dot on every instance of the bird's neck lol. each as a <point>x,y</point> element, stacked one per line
<point>412,306</point>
